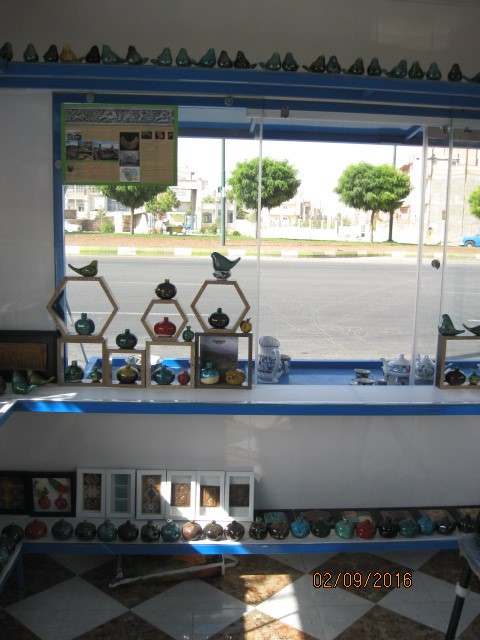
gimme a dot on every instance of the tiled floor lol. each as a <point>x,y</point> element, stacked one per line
<point>262,597</point>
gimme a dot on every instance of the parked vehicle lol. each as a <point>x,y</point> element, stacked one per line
<point>470,241</point>
<point>70,227</point>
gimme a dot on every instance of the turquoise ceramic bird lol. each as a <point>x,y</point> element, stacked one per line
<point>6,52</point>
<point>356,69</point>
<point>241,62</point>
<point>110,57</point>
<point>183,59</point>
<point>446,327</point>
<point>20,384</point>
<point>224,61</point>
<point>37,379</point>
<point>209,59</point>
<point>434,72</point>
<point>455,74</point>
<point>399,71</point>
<point>273,63</point>
<point>30,55</point>
<point>289,63</point>
<point>163,59</point>
<point>317,66</point>
<point>333,66</point>
<point>88,271</point>
<point>222,266</point>
<point>374,69</point>
<point>133,57</point>
<point>474,330</point>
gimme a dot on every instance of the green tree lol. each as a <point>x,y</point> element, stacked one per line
<point>374,188</point>
<point>163,202</point>
<point>132,196</point>
<point>279,183</point>
<point>474,202</point>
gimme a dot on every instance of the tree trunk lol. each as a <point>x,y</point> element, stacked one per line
<point>132,220</point>
<point>390,227</point>
<point>371,225</point>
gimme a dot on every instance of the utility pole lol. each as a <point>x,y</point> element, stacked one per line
<point>223,198</point>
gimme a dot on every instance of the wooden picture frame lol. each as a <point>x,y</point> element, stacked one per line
<point>91,492</point>
<point>151,492</point>
<point>181,494</point>
<point>22,350</point>
<point>120,493</point>
<point>14,493</point>
<point>52,493</point>
<point>210,495</point>
<point>239,495</point>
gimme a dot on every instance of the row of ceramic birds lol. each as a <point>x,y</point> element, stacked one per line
<point>447,328</point>
<point>209,59</point>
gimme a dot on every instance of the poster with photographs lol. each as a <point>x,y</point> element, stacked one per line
<point>117,144</point>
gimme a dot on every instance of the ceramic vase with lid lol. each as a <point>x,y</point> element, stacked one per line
<point>166,290</point>
<point>128,532</point>
<point>170,531</point>
<point>85,530</point>
<point>165,329</point>
<point>192,530</point>
<point>107,531</point>
<point>73,373</point>
<point>300,528</point>
<point>127,374</point>
<point>258,530</point>
<point>150,532</point>
<point>126,340</point>
<point>269,366</point>
<point>208,374</point>
<point>85,326</point>
<point>218,319</point>
<point>62,530</point>
<point>234,531</point>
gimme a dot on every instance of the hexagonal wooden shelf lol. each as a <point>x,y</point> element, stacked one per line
<point>222,283</point>
<point>151,332</point>
<point>60,323</point>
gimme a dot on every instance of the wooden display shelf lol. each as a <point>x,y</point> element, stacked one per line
<point>442,343</point>
<point>173,348</point>
<point>149,328</point>
<point>221,283</point>
<point>224,355</point>
<point>109,374</point>
<point>63,361</point>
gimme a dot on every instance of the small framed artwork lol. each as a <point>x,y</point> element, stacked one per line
<point>22,350</point>
<point>91,492</point>
<point>120,493</point>
<point>181,494</point>
<point>239,486</point>
<point>210,495</point>
<point>52,493</point>
<point>151,493</point>
<point>14,492</point>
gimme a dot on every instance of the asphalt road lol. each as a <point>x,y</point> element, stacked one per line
<point>359,308</point>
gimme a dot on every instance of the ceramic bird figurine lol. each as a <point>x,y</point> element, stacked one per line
<point>30,55</point>
<point>241,62</point>
<point>133,57</point>
<point>67,54</point>
<point>475,330</point>
<point>289,63</point>
<point>333,66</point>
<point>434,72</point>
<point>374,69</point>
<point>88,271</point>
<point>20,384</point>
<point>6,52</point>
<point>455,74</point>
<point>399,71</point>
<point>163,59</point>
<point>110,57</point>
<point>93,56</point>
<point>37,379</point>
<point>209,59</point>
<point>224,61</point>
<point>416,72</point>
<point>222,266</point>
<point>356,69</point>
<point>446,327</point>
<point>183,59</point>
<point>51,55</point>
<point>317,66</point>
<point>273,63</point>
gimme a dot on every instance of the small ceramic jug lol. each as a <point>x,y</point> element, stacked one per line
<point>269,367</point>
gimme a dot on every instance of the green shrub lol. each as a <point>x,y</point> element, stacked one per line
<point>107,226</point>
<point>236,233</point>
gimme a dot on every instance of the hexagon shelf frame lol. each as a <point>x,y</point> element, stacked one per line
<point>149,328</point>
<point>189,348</point>
<point>60,323</point>
<point>222,283</point>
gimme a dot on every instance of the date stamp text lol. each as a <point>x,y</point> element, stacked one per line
<point>362,580</point>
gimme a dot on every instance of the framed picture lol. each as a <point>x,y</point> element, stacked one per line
<point>91,492</point>
<point>210,495</point>
<point>151,493</point>
<point>52,493</point>
<point>181,494</point>
<point>14,492</point>
<point>22,350</point>
<point>239,486</point>
<point>120,493</point>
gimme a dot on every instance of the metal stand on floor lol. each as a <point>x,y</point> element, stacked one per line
<point>461,591</point>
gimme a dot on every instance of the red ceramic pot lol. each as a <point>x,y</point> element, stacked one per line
<point>35,530</point>
<point>365,529</point>
<point>165,328</point>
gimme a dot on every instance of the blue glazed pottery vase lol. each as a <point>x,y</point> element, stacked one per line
<point>208,374</point>
<point>170,531</point>
<point>345,528</point>
<point>426,525</point>
<point>300,527</point>
<point>163,375</point>
<point>408,528</point>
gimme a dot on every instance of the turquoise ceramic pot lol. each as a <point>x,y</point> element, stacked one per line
<point>426,525</point>
<point>170,531</point>
<point>300,527</point>
<point>85,326</point>
<point>208,374</point>
<point>163,375</point>
<point>344,528</point>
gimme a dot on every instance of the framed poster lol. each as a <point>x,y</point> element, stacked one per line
<point>239,486</point>
<point>120,493</point>
<point>22,350</point>
<point>151,492</point>
<point>90,492</point>
<point>52,493</point>
<point>14,492</point>
<point>181,494</point>
<point>119,144</point>
<point>210,495</point>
